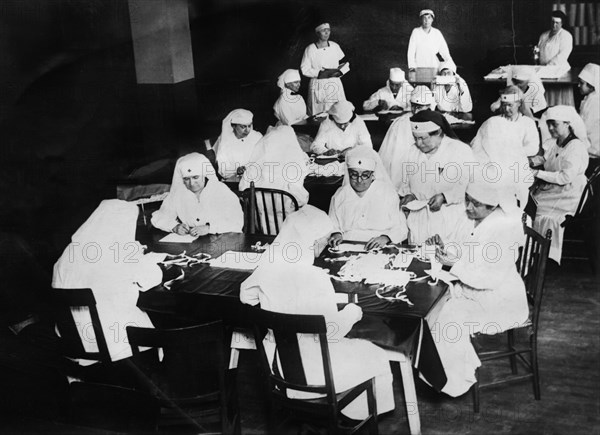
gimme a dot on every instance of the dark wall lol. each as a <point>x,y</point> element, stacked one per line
<point>72,119</point>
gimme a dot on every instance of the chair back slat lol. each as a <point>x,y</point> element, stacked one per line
<point>265,218</point>
<point>64,302</point>
<point>589,192</point>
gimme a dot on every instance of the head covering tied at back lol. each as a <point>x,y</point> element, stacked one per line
<point>525,73</point>
<point>191,165</point>
<point>570,115</point>
<point>591,74</point>
<point>322,26</point>
<point>423,96</point>
<point>342,111</point>
<point>428,121</point>
<point>397,75</point>
<point>288,76</point>
<point>493,191</point>
<point>511,94</point>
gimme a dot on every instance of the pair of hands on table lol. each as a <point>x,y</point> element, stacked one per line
<point>376,242</point>
<point>435,202</point>
<point>183,229</point>
<point>383,105</point>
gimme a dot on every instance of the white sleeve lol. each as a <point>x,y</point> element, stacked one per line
<point>306,66</point>
<point>466,103</point>
<point>573,163</point>
<point>165,218</point>
<point>333,215</point>
<point>372,102</point>
<point>564,51</point>
<point>398,230</point>
<point>318,145</point>
<point>227,165</point>
<point>531,139</point>
<point>412,51</point>
<point>363,135</point>
<point>231,216</point>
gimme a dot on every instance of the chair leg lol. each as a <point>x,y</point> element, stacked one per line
<point>535,370</point>
<point>475,392</point>
<point>511,346</point>
<point>372,405</point>
<point>410,397</point>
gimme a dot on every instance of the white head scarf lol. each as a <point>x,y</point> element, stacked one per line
<point>342,111</point>
<point>397,75</point>
<point>422,95</point>
<point>591,74</point>
<point>288,76</point>
<point>237,116</point>
<point>278,162</point>
<point>570,115</point>
<point>448,64</point>
<point>493,191</point>
<point>527,74</point>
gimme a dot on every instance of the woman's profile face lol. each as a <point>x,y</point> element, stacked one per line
<point>558,128</point>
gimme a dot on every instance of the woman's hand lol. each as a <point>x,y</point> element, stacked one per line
<point>436,201</point>
<point>241,170</point>
<point>335,239</point>
<point>377,242</point>
<point>181,229</point>
<point>435,240</point>
<point>200,230</point>
<point>406,199</point>
<point>330,152</point>
<point>444,257</point>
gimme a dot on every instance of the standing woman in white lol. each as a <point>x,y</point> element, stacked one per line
<point>427,44</point>
<point>320,63</point>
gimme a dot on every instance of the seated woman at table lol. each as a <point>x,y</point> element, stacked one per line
<point>399,137</point>
<point>278,162</point>
<point>558,187</point>
<point>236,143</point>
<point>198,203</point>
<point>589,87</point>
<point>556,44</point>
<point>366,207</point>
<point>427,46</point>
<point>525,78</point>
<point>452,97</point>
<point>342,131</point>
<point>103,255</point>
<point>287,282</point>
<point>436,173</point>
<point>490,295</point>
<point>395,95</point>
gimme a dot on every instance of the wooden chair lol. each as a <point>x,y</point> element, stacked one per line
<point>532,267</point>
<point>111,408</point>
<point>64,301</point>
<point>264,209</point>
<point>582,227</point>
<point>325,410</point>
<point>190,380</point>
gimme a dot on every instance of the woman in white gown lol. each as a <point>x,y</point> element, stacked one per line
<point>198,203</point>
<point>103,255</point>
<point>320,63</point>
<point>489,296</point>
<point>287,282</point>
<point>558,187</point>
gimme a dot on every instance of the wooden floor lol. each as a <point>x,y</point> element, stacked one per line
<point>570,376</point>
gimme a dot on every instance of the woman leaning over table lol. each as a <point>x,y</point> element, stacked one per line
<point>320,63</point>
<point>198,202</point>
<point>559,185</point>
<point>490,295</point>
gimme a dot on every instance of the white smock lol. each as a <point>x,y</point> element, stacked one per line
<point>331,137</point>
<point>322,93</point>
<point>489,298</point>
<point>216,205</point>
<point>450,99</point>
<point>556,49</point>
<point>401,99</point>
<point>394,148</point>
<point>289,108</point>
<point>423,48</point>
<point>104,256</point>
<point>562,183</point>
<point>374,214</point>
<point>286,282</point>
<point>425,175</point>
<point>278,162</point>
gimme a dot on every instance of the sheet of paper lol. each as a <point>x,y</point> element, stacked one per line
<point>345,68</point>
<point>415,205</point>
<point>391,112</point>
<point>176,238</point>
<point>368,117</point>
<point>237,260</point>
<point>351,247</point>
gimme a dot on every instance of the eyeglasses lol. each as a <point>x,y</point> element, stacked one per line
<point>364,176</point>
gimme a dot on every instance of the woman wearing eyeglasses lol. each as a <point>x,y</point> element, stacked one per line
<point>366,207</point>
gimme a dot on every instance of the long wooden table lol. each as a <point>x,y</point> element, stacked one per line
<point>393,325</point>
